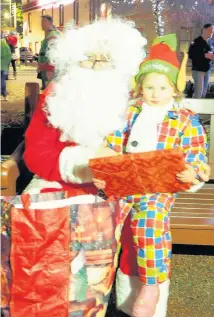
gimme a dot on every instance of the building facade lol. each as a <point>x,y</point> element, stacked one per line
<point>62,12</point>
<point>180,17</point>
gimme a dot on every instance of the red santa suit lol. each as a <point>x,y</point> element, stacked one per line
<point>47,155</point>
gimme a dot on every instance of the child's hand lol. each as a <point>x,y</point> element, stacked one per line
<point>188,175</point>
<point>99,183</point>
<point>205,176</point>
<point>104,150</point>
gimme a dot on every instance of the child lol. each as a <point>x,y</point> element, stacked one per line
<point>154,123</point>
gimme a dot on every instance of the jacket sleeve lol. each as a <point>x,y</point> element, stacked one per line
<point>50,40</point>
<point>42,146</point>
<point>196,51</point>
<point>48,157</point>
<point>194,145</point>
<point>47,66</point>
<point>6,53</point>
<point>191,50</point>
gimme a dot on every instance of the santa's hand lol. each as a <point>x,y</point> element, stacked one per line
<point>188,175</point>
<point>83,173</point>
<point>99,183</point>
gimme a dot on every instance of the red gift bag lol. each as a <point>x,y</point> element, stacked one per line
<point>62,254</point>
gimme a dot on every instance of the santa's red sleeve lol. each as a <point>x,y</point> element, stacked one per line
<point>48,157</point>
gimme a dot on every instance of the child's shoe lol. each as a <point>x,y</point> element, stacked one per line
<point>146,301</point>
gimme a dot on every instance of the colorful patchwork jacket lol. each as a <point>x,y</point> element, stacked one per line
<point>180,128</point>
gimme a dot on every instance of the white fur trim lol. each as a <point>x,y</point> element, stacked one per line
<point>195,188</point>
<point>73,157</point>
<point>78,200</point>
<point>127,289</point>
<point>145,129</point>
<point>37,184</point>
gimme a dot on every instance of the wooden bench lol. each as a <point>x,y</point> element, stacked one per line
<point>192,218</point>
<point>9,175</point>
<point>13,166</point>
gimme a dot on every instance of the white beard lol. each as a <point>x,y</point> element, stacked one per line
<point>87,105</point>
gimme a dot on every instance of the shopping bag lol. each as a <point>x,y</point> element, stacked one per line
<point>141,173</point>
<point>62,252</point>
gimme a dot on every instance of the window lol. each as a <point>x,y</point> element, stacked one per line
<point>92,10</point>
<point>103,11</point>
<point>76,11</point>
<point>29,22</point>
<point>61,14</point>
<point>185,38</point>
<point>43,11</point>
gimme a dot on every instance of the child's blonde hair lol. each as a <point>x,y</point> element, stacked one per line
<point>138,90</point>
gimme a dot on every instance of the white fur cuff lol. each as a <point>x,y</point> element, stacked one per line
<point>195,188</point>
<point>73,157</point>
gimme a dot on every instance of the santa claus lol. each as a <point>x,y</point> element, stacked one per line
<point>85,103</point>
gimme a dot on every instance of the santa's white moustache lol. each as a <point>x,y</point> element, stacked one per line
<point>87,105</point>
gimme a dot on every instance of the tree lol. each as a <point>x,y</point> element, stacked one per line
<point>19,18</point>
<point>5,18</point>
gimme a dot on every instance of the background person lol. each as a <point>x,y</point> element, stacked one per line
<point>5,62</point>
<point>201,64</point>
<point>12,42</point>
<point>45,69</point>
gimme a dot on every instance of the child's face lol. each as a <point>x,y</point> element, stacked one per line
<point>157,90</point>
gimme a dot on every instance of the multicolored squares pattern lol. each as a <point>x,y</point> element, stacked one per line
<point>150,213</point>
<point>180,128</point>
<point>150,224</point>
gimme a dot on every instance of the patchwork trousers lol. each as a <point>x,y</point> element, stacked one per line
<point>150,225</point>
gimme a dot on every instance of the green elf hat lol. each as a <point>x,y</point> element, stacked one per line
<point>163,59</point>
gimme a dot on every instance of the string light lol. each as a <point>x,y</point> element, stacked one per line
<point>180,10</point>
<point>192,13</point>
<point>128,2</point>
<point>157,8</point>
